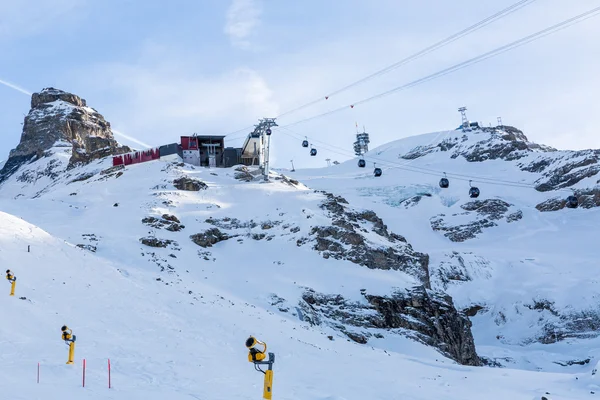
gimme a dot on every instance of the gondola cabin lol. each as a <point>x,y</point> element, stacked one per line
<point>362,163</point>
<point>572,202</point>
<point>474,192</point>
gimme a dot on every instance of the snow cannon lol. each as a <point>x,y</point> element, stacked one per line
<point>254,354</point>
<point>257,357</point>
<point>69,338</point>
<point>12,279</point>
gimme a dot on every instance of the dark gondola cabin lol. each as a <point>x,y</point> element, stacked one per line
<point>444,183</point>
<point>313,152</point>
<point>474,192</point>
<point>572,202</point>
<point>362,163</point>
<point>377,171</point>
<point>305,143</point>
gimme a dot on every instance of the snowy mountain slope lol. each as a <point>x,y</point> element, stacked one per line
<point>255,276</point>
<point>165,342</point>
<point>528,271</point>
<point>248,214</point>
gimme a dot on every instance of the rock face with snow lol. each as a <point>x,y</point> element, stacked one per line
<point>424,315</point>
<point>62,119</point>
<point>554,169</point>
<point>506,143</point>
<point>345,239</point>
<point>479,215</point>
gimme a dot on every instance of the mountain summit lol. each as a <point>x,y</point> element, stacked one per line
<point>63,120</point>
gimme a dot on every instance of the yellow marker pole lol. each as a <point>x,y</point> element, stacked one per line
<point>71,353</point>
<point>268,390</point>
<point>12,288</point>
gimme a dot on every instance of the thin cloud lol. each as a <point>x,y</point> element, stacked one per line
<point>243,17</point>
<point>130,138</point>
<point>15,87</point>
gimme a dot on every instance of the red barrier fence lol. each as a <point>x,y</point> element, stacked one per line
<point>137,157</point>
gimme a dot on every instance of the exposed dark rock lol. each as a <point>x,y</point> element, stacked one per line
<point>287,180</point>
<point>61,119</point>
<point>231,223</point>
<point>424,315</point>
<point>566,174</point>
<point>473,310</point>
<point>485,213</point>
<point>172,218</point>
<point>209,237</point>
<point>189,184</point>
<point>432,315</point>
<point>112,170</point>
<point>573,362</point>
<point>333,241</point>
<point>156,242</point>
<point>543,304</point>
<point>168,222</point>
<point>514,216</point>
<point>357,337</point>
<point>413,201</point>
<point>88,247</point>
<point>83,177</point>
<point>243,173</point>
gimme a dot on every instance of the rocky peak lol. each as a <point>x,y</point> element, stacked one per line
<point>61,119</point>
<point>481,144</point>
<point>506,142</point>
<point>49,95</point>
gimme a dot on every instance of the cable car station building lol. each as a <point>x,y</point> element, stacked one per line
<point>203,151</point>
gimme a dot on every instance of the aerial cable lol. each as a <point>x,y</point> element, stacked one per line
<point>425,171</point>
<point>450,39</point>
<point>500,50</point>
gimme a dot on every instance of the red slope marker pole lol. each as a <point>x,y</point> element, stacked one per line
<point>38,374</point>
<point>84,372</point>
<point>109,373</point>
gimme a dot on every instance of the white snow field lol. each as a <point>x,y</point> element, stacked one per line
<point>179,333</point>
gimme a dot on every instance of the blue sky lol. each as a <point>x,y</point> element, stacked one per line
<point>159,69</point>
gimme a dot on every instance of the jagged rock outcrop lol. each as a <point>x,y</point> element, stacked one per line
<point>344,239</point>
<point>424,315</point>
<point>565,171</point>
<point>209,238</point>
<point>167,221</point>
<point>485,214</point>
<point>62,119</point>
<point>189,184</point>
<point>157,242</point>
